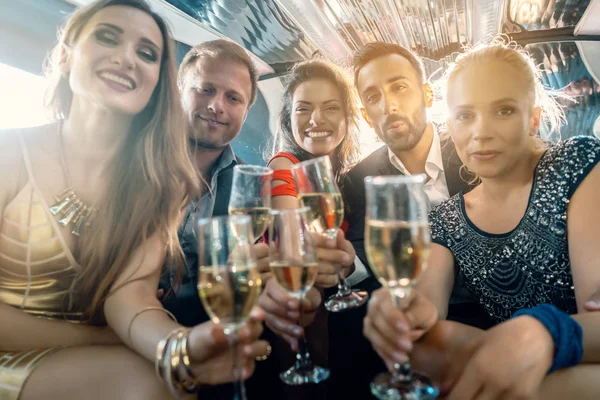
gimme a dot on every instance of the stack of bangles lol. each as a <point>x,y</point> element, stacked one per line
<point>172,363</point>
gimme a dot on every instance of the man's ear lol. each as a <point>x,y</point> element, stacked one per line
<point>366,116</point>
<point>65,59</point>
<point>429,95</point>
<point>536,117</point>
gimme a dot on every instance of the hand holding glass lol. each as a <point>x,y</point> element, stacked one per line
<point>294,264</point>
<point>228,281</point>
<point>397,244</point>
<point>318,191</point>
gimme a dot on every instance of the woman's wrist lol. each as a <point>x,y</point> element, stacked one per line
<point>540,337</point>
<point>566,334</point>
<point>173,364</point>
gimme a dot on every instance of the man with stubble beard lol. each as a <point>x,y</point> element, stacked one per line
<point>395,95</point>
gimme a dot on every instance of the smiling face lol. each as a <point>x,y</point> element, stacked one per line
<point>318,119</point>
<point>395,101</point>
<point>493,129</point>
<point>115,63</point>
<point>216,99</point>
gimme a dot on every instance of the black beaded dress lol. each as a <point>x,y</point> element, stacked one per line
<point>529,265</point>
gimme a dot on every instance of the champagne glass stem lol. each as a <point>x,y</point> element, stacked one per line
<point>239,389</point>
<point>303,359</point>
<point>402,372</point>
<point>400,297</point>
<point>344,288</point>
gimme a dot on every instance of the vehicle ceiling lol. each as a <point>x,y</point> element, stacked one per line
<point>283,32</point>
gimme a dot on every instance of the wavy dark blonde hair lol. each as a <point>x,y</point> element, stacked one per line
<point>150,179</point>
<point>347,152</point>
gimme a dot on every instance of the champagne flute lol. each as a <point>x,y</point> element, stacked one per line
<point>229,282</point>
<point>294,264</point>
<point>251,195</point>
<point>397,245</point>
<point>318,191</point>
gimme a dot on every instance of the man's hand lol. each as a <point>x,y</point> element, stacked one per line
<point>282,311</point>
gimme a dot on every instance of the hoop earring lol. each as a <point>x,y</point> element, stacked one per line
<point>471,178</point>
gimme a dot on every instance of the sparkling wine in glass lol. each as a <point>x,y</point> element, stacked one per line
<point>294,264</point>
<point>397,244</point>
<point>251,195</point>
<point>319,192</point>
<point>229,282</point>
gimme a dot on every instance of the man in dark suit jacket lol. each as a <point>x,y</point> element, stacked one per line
<point>391,84</point>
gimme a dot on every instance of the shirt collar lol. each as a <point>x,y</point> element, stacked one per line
<point>434,157</point>
<point>226,158</point>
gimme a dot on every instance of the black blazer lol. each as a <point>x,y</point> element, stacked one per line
<point>378,163</point>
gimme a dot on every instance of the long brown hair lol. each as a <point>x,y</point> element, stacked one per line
<point>348,151</point>
<point>147,177</point>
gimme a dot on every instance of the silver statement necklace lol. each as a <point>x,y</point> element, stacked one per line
<point>69,208</point>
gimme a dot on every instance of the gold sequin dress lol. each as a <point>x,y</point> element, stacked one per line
<point>37,273</point>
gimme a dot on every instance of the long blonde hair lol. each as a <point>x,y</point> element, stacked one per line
<point>501,49</point>
<point>150,179</point>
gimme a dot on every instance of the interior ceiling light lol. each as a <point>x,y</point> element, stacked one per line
<point>432,28</point>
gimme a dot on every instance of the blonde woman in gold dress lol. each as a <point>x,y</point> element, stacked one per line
<point>90,207</point>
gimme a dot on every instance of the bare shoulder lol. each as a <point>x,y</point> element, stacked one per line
<point>280,163</point>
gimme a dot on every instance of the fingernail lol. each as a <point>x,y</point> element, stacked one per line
<point>400,358</point>
<point>405,344</point>
<point>593,304</point>
<point>292,304</point>
<point>402,327</point>
<point>293,314</point>
<point>297,331</point>
<point>346,258</point>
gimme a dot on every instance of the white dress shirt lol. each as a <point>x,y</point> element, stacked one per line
<point>436,189</point>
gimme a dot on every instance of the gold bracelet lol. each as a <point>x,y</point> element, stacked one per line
<point>161,350</point>
<point>143,310</point>
<point>184,372</point>
<point>171,364</point>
